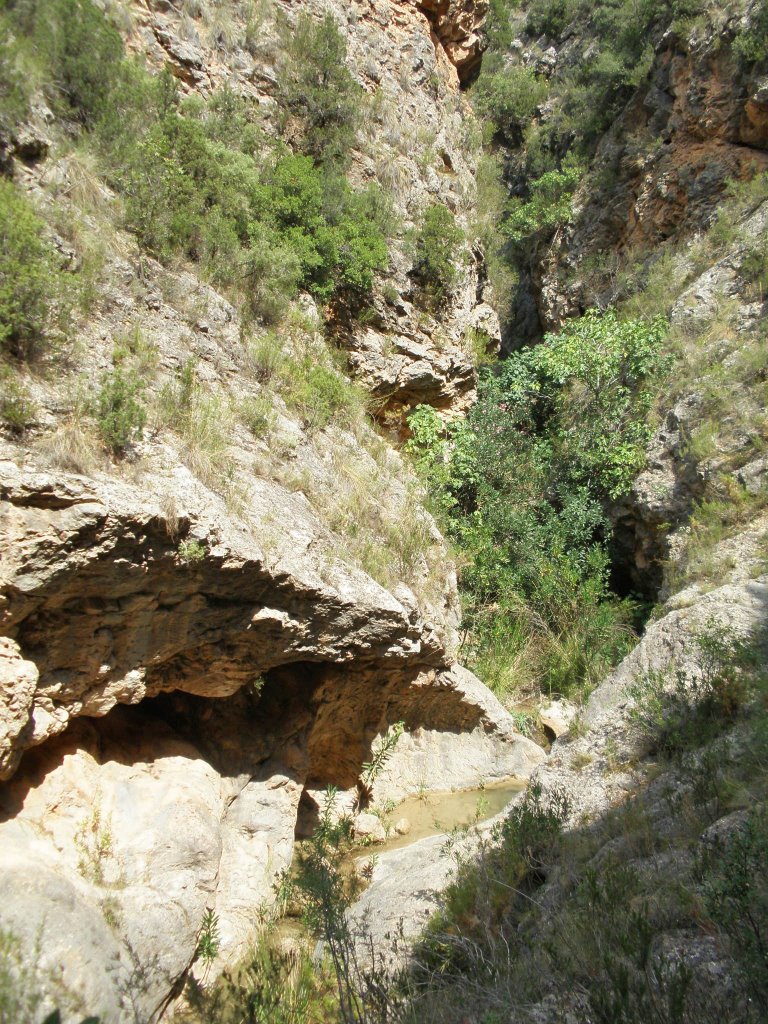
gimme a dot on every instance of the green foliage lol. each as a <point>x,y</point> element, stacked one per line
<point>32,288</point>
<point>383,752</point>
<point>320,394</point>
<point>17,407</point>
<point>78,49</point>
<point>317,91</point>
<point>201,178</point>
<point>120,413</point>
<point>520,486</point>
<point>484,890</point>
<point>596,375</point>
<point>550,17</point>
<point>266,228</point>
<point>258,415</point>
<point>437,244</point>
<point>191,550</point>
<point>612,953</point>
<point>497,27</point>
<point>751,43</point>
<point>509,97</point>
<point>208,940</point>
<point>548,206</point>
<point>270,986</point>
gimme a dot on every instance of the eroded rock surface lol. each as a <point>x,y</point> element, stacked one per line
<point>411,56</point>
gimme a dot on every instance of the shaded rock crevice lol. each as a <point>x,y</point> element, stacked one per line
<point>149,815</point>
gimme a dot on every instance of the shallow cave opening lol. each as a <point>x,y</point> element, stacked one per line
<point>308,816</point>
<point>634,572</point>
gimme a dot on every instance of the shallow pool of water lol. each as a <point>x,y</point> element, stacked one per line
<point>433,814</point>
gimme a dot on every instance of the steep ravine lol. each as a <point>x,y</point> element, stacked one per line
<point>191,648</point>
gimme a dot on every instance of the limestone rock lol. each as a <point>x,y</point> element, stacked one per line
<point>369,827</point>
<point>472,741</point>
<point>18,683</point>
<point>556,717</point>
<point>596,768</point>
<point>456,24</point>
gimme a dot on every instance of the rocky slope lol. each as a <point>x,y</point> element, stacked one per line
<point>412,58</point>
<point>201,636</point>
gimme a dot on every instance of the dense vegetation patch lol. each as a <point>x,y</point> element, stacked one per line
<point>202,179</point>
<point>33,305</point>
<point>521,486</point>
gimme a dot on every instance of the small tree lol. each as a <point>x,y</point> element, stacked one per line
<point>31,290</point>
<point>120,415</point>
<point>437,244</point>
<point>317,91</point>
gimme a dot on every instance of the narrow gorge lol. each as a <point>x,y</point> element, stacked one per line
<point>383,415</point>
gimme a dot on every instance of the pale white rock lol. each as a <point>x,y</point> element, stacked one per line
<point>556,717</point>
<point>369,827</point>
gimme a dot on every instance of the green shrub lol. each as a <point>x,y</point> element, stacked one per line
<point>317,91</point>
<point>550,17</point>
<point>320,394</point>
<point>271,985</point>
<point>15,73</point>
<point>520,487</point>
<point>437,244</point>
<point>258,415</point>
<point>120,414</point>
<point>32,308</point>
<point>17,407</point>
<point>192,550</point>
<point>201,178</point>
<point>509,98</point>
<point>78,49</point>
<point>751,43</point>
<point>548,206</point>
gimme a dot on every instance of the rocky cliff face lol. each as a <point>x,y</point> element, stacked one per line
<point>412,57</point>
<point>201,637</point>
<point>695,121</point>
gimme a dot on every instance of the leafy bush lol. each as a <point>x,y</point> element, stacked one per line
<point>520,486</point>
<point>317,91</point>
<point>550,17</point>
<point>32,310</point>
<point>265,228</point>
<point>548,206</point>
<point>271,985</point>
<point>17,407</point>
<point>78,49</point>
<point>320,394</point>
<point>120,414</point>
<point>751,43</point>
<point>436,245</point>
<point>509,97</point>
